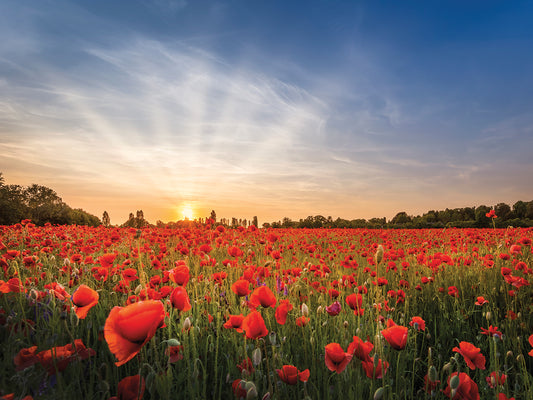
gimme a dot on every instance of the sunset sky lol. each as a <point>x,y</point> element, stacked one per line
<point>351,109</point>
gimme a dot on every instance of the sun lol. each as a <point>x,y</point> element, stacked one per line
<point>187,212</point>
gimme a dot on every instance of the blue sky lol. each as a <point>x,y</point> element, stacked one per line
<point>268,108</point>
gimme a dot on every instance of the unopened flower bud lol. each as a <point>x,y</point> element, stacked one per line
<point>305,310</point>
<point>454,382</point>
<point>187,324</point>
<point>256,356</point>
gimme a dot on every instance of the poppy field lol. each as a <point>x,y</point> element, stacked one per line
<point>208,312</point>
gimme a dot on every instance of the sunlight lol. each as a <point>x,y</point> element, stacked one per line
<point>187,212</point>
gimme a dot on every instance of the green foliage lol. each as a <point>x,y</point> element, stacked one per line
<point>39,204</point>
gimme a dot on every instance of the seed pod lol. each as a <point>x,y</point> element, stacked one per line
<point>256,356</point>
<point>378,394</point>
<point>454,382</point>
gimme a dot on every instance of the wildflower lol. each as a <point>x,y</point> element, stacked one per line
<point>84,298</point>
<point>128,329</point>
<point>418,323</point>
<point>360,349</point>
<point>355,302</point>
<point>492,331</point>
<point>179,274</point>
<point>531,344</point>
<point>491,214</point>
<point>174,353</point>
<point>234,322</point>
<point>453,291</point>
<point>467,388</point>
<point>262,295</point>
<point>481,300</point>
<point>131,388</point>
<point>58,358</point>
<point>281,312</point>
<point>375,368</point>
<point>290,374</point>
<point>240,287</point>
<point>302,321</point>
<point>246,367</point>
<point>180,299</point>
<point>335,357</point>
<point>334,309</point>
<point>254,326</point>
<point>495,379</point>
<point>472,355</point>
<point>396,336</point>
<point>26,358</point>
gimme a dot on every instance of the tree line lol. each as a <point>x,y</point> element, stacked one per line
<point>519,215</point>
<point>39,204</point>
<point>42,205</point>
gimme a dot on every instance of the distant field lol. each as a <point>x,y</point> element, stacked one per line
<point>217,313</point>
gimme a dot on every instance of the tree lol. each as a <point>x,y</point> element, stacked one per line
<point>401,218</point>
<point>519,209</point>
<point>482,221</point>
<point>105,219</point>
<point>254,222</point>
<point>213,216</point>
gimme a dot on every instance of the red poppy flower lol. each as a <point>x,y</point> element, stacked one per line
<point>467,389</point>
<point>84,298</point>
<point>241,287</point>
<point>281,312</point>
<point>246,366</point>
<point>471,354</point>
<point>262,295</point>
<point>180,274</point>
<point>418,323</point>
<point>492,331</point>
<point>238,389</point>
<point>335,357</point>
<point>355,301</point>
<point>58,358</point>
<point>128,329</point>
<point>334,309</point>
<point>234,322</point>
<point>131,388</point>
<point>302,321</point>
<point>254,326</point>
<point>360,349</point>
<point>26,358</point>
<point>180,299</point>
<point>480,301</point>
<point>377,371</point>
<point>174,353</point>
<point>129,274</point>
<point>429,385</point>
<point>396,336</point>
<point>234,251</point>
<point>494,379</point>
<point>290,374</point>
<point>531,344</point>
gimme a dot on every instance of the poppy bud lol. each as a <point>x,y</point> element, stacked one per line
<point>446,367</point>
<point>346,324</point>
<point>256,356</point>
<point>454,382</point>
<point>305,310</point>
<point>488,315</point>
<point>378,394</point>
<point>266,396</point>
<point>379,254</point>
<point>432,374</point>
<point>319,310</point>
<point>187,324</point>
<point>272,338</point>
<point>251,390</point>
